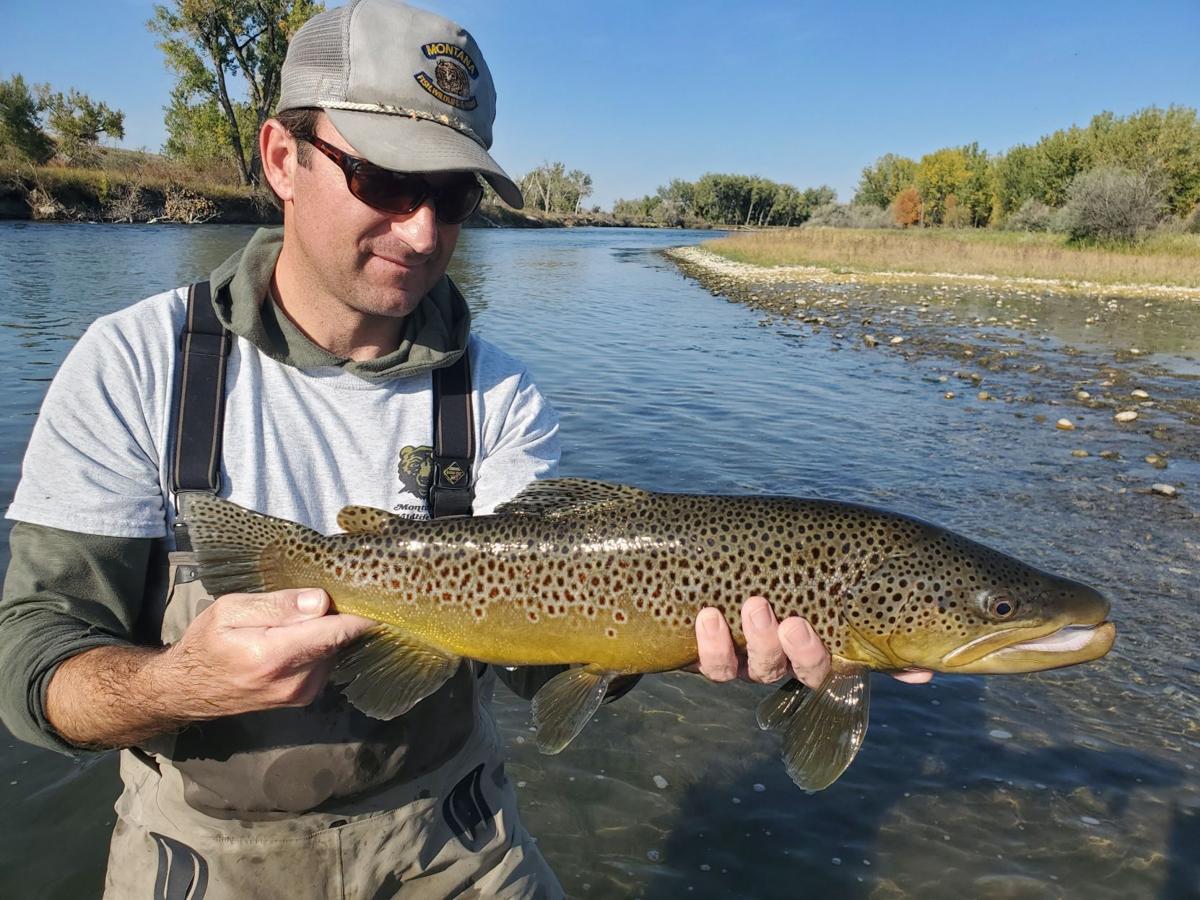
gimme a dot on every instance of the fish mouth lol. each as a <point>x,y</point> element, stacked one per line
<point>999,653</point>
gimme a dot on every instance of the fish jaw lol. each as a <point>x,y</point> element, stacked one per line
<point>1066,646</point>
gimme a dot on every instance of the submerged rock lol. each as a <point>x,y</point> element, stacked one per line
<point>1126,415</point>
<point>1064,425</point>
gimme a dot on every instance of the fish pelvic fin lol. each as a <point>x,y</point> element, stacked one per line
<point>822,729</point>
<point>386,672</point>
<point>365,519</point>
<point>234,546</point>
<point>562,497</point>
<point>565,703</point>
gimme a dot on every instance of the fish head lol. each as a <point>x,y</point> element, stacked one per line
<point>946,603</point>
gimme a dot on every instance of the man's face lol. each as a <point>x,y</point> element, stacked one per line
<point>374,262</point>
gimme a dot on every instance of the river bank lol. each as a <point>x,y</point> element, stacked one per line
<point>1166,263</point>
<point>1111,367</point>
<point>82,195</point>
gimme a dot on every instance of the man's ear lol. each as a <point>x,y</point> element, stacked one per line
<point>277,149</point>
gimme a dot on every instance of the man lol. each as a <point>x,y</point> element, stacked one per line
<point>245,774</point>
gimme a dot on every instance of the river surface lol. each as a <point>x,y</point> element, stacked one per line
<point>1077,783</point>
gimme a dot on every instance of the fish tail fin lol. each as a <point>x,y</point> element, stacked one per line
<point>565,703</point>
<point>822,729</point>
<point>236,548</point>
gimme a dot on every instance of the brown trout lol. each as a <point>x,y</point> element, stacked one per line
<point>609,579</point>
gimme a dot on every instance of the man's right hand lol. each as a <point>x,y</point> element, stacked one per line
<point>249,652</point>
<point>245,652</point>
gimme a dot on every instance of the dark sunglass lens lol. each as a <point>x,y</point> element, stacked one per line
<point>457,200</point>
<point>390,191</point>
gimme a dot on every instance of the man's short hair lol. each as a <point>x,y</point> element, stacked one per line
<point>301,122</point>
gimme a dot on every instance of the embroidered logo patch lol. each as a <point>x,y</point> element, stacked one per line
<point>453,72</point>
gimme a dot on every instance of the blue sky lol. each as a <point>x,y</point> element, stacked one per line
<point>637,92</point>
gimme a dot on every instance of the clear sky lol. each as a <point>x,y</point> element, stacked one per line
<point>636,92</point>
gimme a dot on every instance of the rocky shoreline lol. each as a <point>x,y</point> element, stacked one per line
<point>1059,356</point>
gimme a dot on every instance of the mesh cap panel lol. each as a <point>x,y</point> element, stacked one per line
<point>316,64</point>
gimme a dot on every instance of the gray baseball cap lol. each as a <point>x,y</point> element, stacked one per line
<point>408,89</point>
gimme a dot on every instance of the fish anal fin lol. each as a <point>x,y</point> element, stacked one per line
<point>565,703</point>
<point>363,519</point>
<point>823,731</point>
<point>561,497</point>
<point>386,672</point>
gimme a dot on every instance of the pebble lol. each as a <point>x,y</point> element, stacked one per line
<point>1000,734</point>
<point>1140,394</point>
<point>837,861</point>
<point>660,782</point>
<point>1065,425</point>
<point>1082,395</point>
<point>1088,820</point>
<point>897,340</point>
<point>949,395</point>
<point>705,867</point>
<point>1157,461</point>
<point>759,788</point>
<point>1167,490</point>
<point>1079,453</point>
<point>1126,415</point>
<point>983,395</point>
<point>653,855</point>
<point>1109,454</point>
<point>870,340</point>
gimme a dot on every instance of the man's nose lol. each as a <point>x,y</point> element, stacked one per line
<point>418,229</point>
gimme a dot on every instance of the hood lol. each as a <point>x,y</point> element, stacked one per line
<point>435,333</point>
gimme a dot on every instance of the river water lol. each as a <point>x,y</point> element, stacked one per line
<point>1076,783</point>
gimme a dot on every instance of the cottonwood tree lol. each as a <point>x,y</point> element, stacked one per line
<point>206,42</point>
<point>76,121</point>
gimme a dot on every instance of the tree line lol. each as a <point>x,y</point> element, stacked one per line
<point>718,199</point>
<point>1152,154</point>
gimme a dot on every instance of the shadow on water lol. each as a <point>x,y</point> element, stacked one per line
<point>896,824</point>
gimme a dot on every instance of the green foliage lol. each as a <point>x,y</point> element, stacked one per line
<point>1033,215</point>
<point>552,189</point>
<point>77,122</point>
<point>881,182</point>
<point>1112,204</point>
<point>21,135</point>
<point>205,41</point>
<point>939,175</point>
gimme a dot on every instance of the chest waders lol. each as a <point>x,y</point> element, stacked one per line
<point>324,801</point>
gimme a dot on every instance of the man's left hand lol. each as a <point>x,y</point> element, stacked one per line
<point>773,649</point>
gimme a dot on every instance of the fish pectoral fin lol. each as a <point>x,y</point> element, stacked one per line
<point>565,703</point>
<point>776,709</point>
<point>386,672</point>
<point>365,519</point>
<point>823,729</point>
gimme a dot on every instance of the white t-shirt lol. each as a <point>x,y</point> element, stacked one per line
<point>299,445</point>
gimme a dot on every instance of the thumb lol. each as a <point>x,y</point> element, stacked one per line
<point>286,607</point>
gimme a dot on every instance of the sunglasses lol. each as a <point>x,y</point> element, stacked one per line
<point>402,192</point>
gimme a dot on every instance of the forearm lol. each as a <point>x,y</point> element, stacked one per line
<point>115,696</point>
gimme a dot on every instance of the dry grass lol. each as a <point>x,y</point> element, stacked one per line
<point>1166,259</point>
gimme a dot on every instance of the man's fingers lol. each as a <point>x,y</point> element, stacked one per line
<point>718,659</point>
<point>320,637</point>
<point>810,660</point>
<point>765,659</point>
<point>271,610</point>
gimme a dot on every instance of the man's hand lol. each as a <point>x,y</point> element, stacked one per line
<point>246,652</point>
<point>249,652</point>
<point>773,649</point>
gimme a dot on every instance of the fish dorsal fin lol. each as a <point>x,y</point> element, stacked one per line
<point>387,672</point>
<point>565,703</point>
<point>822,729</point>
<point>559,497</point>
<point>360,519</point>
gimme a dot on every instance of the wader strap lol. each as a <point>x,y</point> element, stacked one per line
<point>452,485</point>
<point>199,408</point>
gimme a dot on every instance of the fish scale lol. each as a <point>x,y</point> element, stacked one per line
<point>610,579</point>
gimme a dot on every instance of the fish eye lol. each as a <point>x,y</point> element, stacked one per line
<point>1001,607</point>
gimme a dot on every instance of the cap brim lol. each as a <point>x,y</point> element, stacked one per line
<point>419,145</point>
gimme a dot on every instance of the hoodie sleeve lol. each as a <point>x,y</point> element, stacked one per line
<point>65,592</point>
